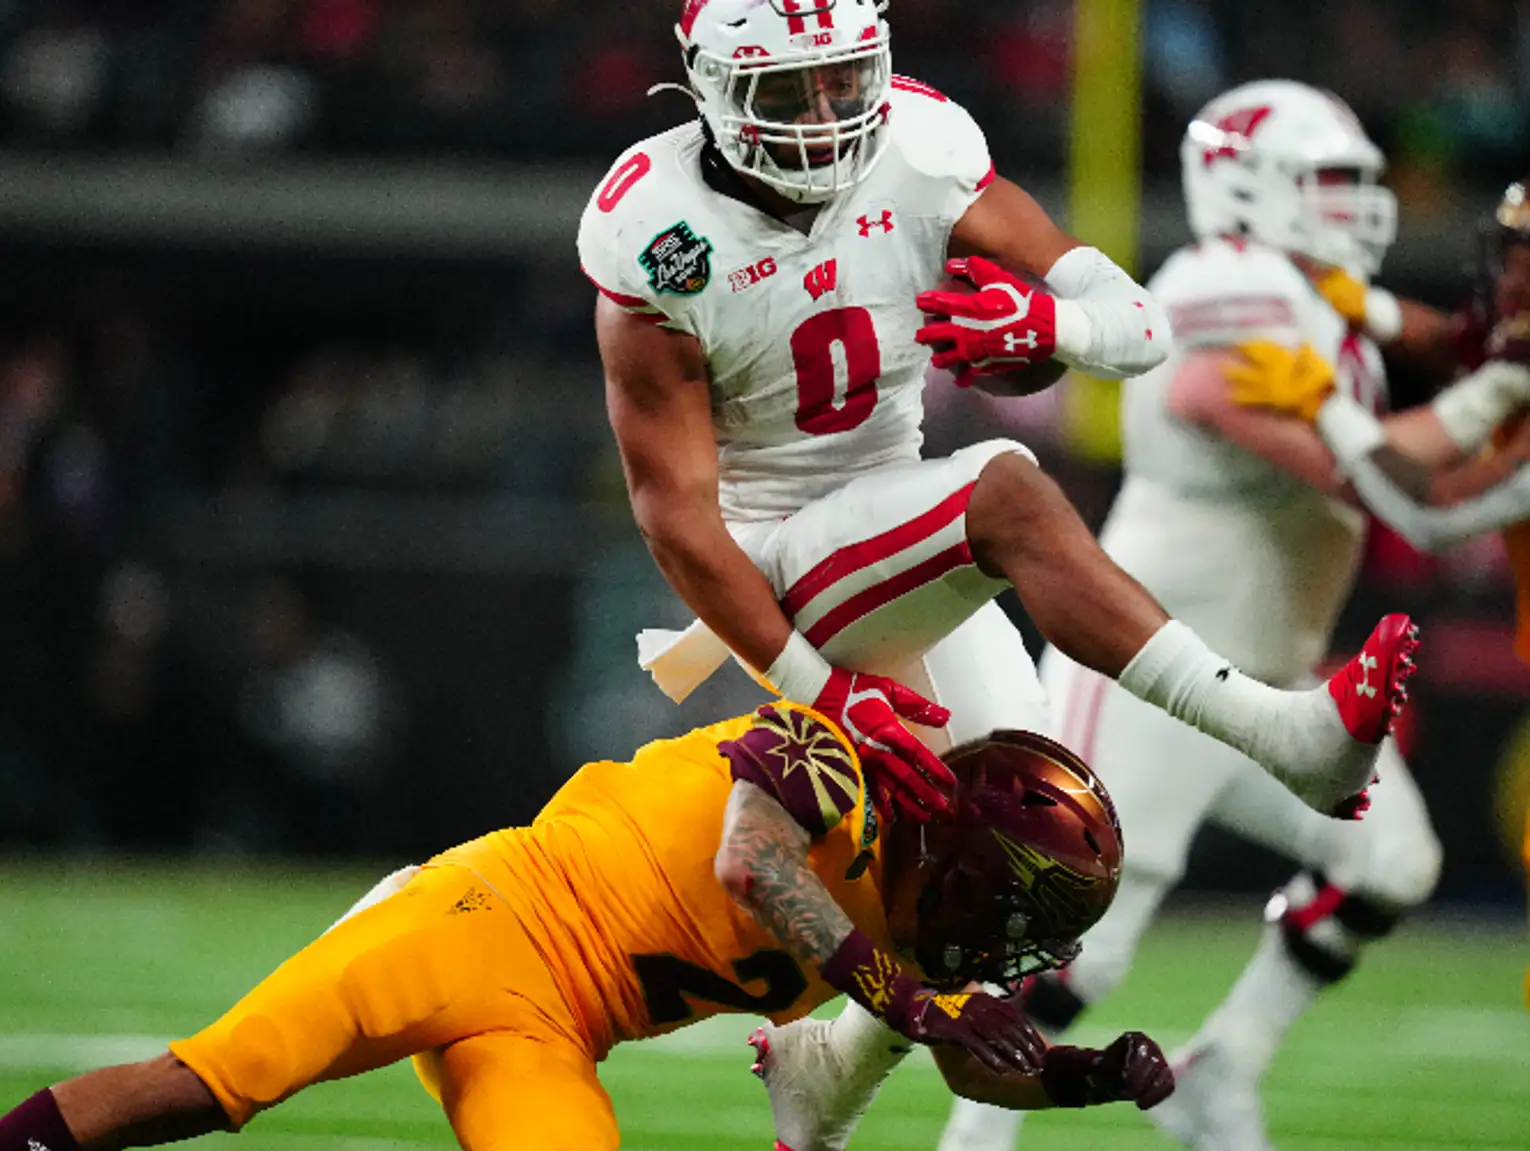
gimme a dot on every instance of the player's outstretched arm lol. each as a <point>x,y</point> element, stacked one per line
<point>1133,1068</point>
<point>762,862</point>
<point>1399,467</point>
<point>1105,323</point>
<point>659,404</point>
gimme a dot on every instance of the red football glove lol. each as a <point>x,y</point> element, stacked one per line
<point>1133,1067</point>
<point>1005,325</point>
<point>899,769</point>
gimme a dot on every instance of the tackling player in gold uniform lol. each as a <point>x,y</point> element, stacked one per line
<point>742,867</point>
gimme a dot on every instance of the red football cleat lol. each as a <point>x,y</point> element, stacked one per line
<point>1370,689</point>
<point>1355,807</point>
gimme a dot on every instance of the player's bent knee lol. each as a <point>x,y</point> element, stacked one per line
<point>1011,497</point>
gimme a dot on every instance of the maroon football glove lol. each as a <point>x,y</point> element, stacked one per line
<point>899,769</point>
<point>1004,326</point>
<point>1133,1067</point>
<point>993,1030</point>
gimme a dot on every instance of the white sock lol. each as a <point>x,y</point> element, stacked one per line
<point>865,1046</point>
<point>1297,736</point>
<point>1272,993</point>
<point>979,1127</point>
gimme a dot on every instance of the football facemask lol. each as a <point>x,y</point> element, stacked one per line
<point>794,91</point>
<point>1029,862</point>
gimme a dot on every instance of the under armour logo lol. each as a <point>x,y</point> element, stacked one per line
<point>885,223</point>
<point>1367,665</point>
<point>34,1145</point>
<point>1223,673</point>
<point>1013,343</point>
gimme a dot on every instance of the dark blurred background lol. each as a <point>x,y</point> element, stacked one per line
<point>312,535</point>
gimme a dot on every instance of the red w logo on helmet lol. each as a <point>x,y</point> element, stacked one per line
<point>1237,128</point>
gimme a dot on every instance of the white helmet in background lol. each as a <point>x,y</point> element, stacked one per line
<point>1289,166</point>
<point>758,67</point>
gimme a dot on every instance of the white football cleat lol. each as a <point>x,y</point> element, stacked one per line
<point>1215,1106</point>
<point>815,1099</point>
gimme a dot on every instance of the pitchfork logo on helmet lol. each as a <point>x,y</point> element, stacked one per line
<point>1289,166</point>
<point>794,91</point>
<point>1028,863</point>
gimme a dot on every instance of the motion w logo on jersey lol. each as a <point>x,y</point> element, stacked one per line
<point>822,279</point>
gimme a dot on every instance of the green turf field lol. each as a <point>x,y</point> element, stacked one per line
<point>1427,1049</point>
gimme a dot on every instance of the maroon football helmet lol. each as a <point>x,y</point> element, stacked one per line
<point>1028,862</point>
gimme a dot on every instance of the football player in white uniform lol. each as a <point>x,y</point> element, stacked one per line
<point>762,272</point>
<point>1423,471</point>
<point>1239,521</point>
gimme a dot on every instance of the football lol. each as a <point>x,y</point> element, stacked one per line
<point>1023,382</point>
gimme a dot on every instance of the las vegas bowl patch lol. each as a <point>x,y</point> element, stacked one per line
<point>678,261</point>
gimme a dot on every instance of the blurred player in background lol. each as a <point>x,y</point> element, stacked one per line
<point>762,271</point>
<point>1422,471</point>
<point>1455,468</point>
<point>1240,522</point>
<point>741,867</point>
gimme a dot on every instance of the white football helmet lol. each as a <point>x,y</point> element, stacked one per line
<point>1273,161</point>
<point>794,91</point>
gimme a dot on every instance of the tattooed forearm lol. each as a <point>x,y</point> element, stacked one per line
<point>763,863</point>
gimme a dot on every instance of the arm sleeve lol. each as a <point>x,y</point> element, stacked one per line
<point>803,762</point>
<point>1108,325</point>
<point>1352,433</point>
<point>1433,529</point>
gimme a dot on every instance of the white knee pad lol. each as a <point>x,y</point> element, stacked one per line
<point>1392,857</point>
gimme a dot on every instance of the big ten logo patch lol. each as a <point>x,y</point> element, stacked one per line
<point>741,279</point>
<point>813,40</point>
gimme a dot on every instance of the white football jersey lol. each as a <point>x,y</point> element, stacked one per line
<point>808,339</point>
<point>1253,559</point>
